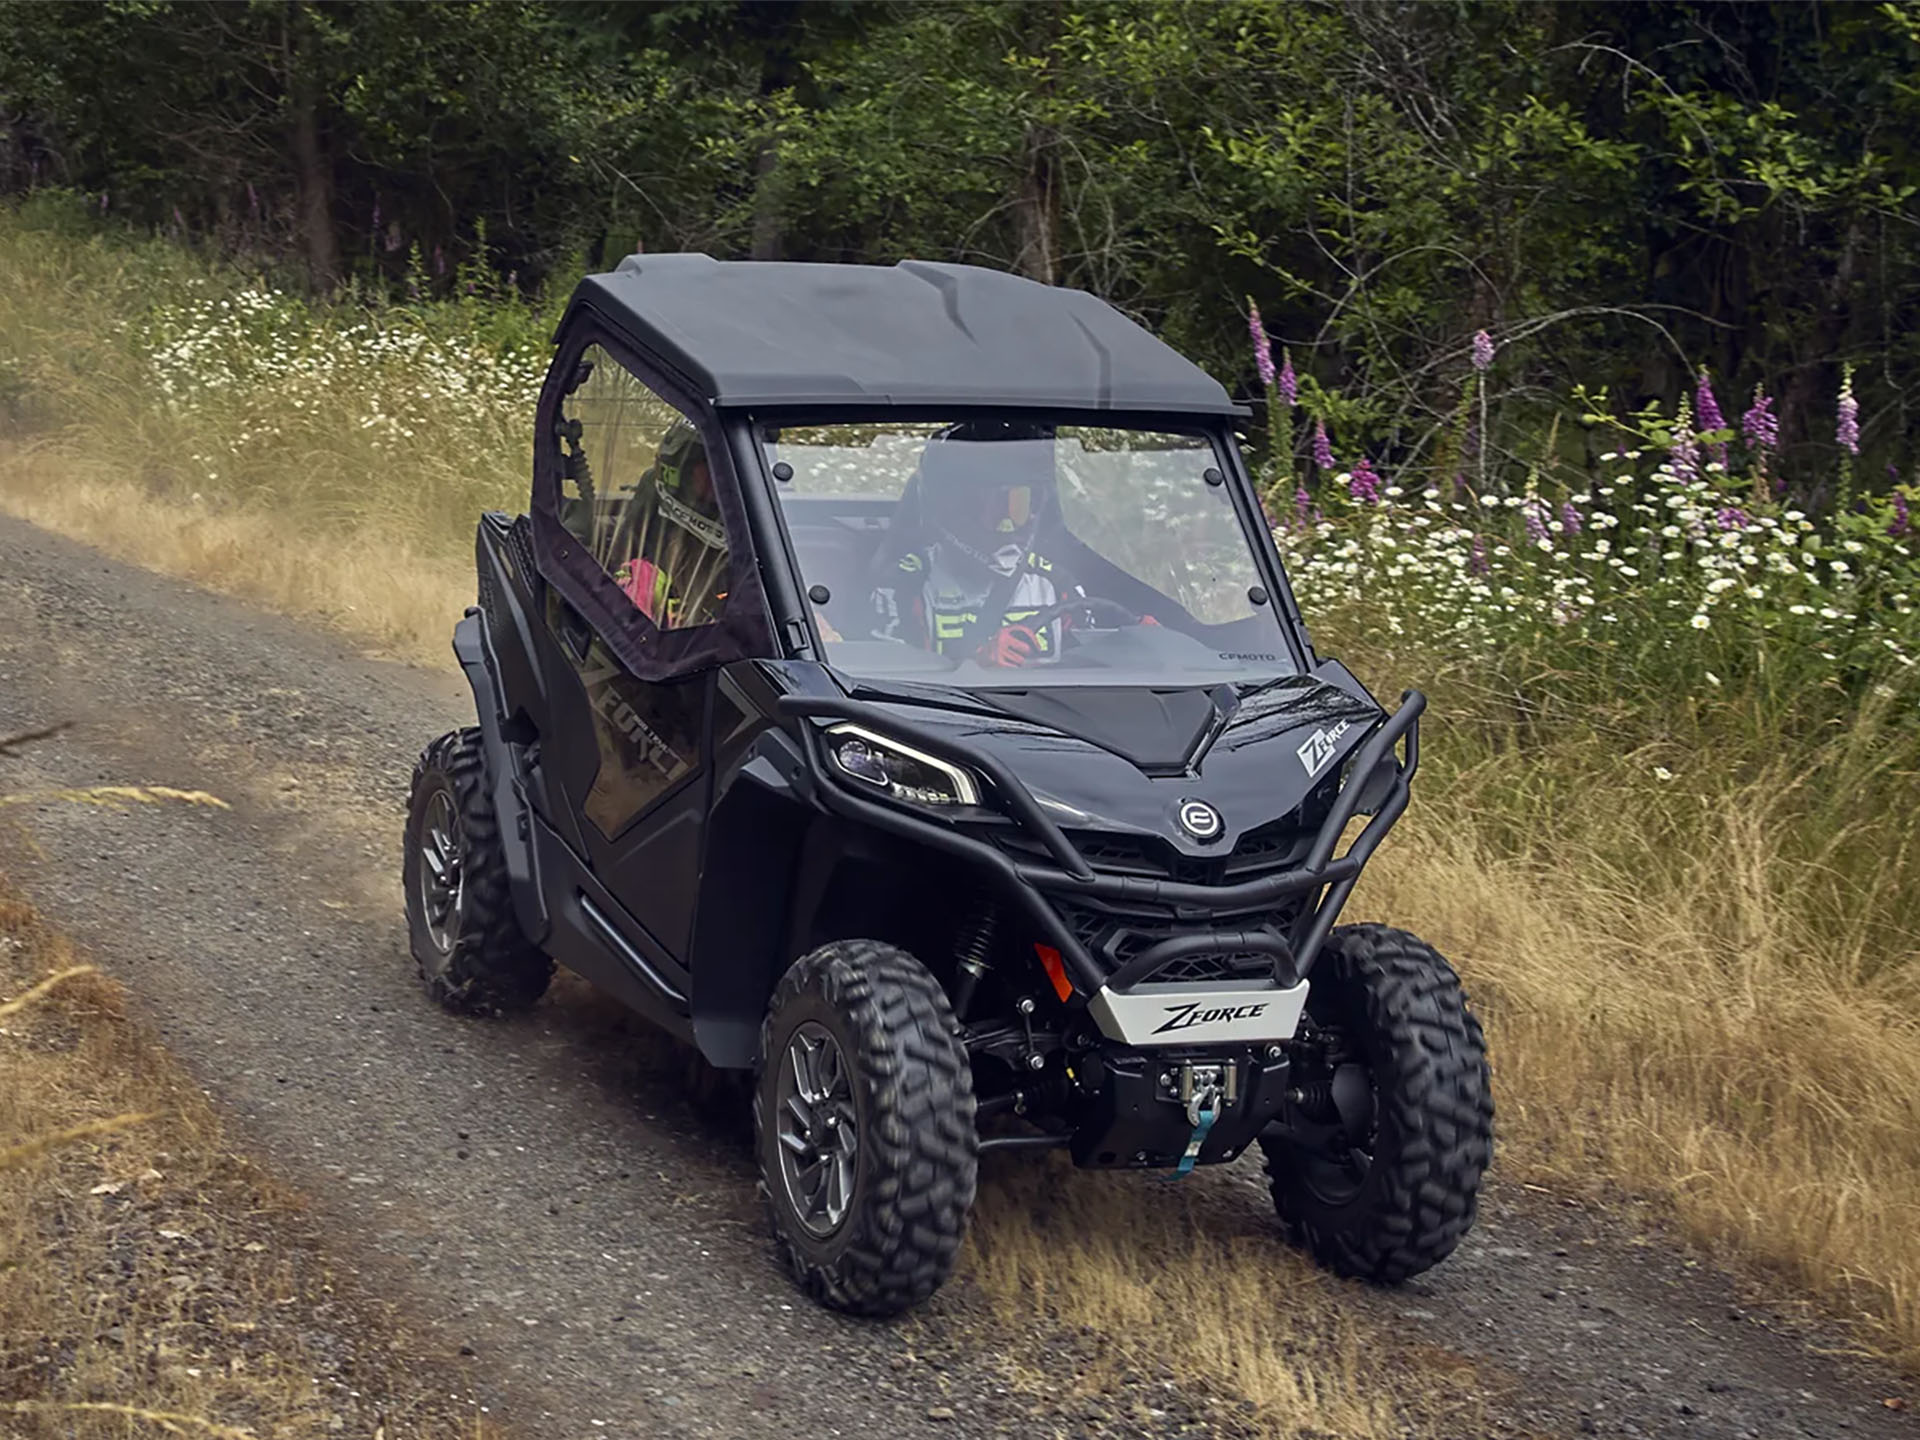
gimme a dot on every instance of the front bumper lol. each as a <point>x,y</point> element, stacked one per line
<point>1222,1012</point>
<point>1314,891</point>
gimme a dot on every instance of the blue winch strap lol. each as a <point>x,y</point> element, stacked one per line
<point>1185,1167</point>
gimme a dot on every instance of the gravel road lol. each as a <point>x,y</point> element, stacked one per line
<point>543,1191</point>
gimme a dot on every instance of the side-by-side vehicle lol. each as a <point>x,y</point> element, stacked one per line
<point>894,692</point>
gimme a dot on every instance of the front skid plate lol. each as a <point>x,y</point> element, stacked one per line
<point>1200,1014</point>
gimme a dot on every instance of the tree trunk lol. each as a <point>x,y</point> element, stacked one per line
<point>1036,202</point>
<point>1036,208</point>
<point>768,227</point>
<point>313,167</point>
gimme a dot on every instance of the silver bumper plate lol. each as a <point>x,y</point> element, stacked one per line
<point>1207,1013</point>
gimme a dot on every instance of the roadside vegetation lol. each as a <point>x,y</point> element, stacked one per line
<point>152,1281</point>
<point>1669,810</point>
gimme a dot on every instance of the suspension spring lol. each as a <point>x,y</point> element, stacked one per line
<point>972,946</point>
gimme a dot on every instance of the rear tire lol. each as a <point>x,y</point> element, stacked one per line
<point>1398,1202</point>
<point>859,1041</point>
<point>472,955</point>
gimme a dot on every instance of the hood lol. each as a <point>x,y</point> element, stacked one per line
<point>1127,760</point>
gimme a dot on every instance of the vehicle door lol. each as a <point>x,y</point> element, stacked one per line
<point>636,520</point>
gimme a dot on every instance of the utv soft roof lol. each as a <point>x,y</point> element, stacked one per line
<point>763,333</point>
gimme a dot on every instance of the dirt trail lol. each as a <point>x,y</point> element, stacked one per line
<point>542,1190</point>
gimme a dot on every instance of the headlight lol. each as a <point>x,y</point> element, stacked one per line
<point>899,771</point>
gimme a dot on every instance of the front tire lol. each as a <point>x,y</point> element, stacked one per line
<point>472,955</point>
<point>1395,1189</point>
<point>864,1123</point>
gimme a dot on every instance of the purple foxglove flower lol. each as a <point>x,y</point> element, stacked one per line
<point>1902,520</point>
<point>439,261</point>
<point>1322,448</point>
<point>1536,520</point>
<point>1289,383</point>
<point>1707,408</point>
<point>1569,518</point>
<point>1759,426</point>
<point>1262,347</point>
<point>1847,432</point>
<point>1301,502</point>
<point>1732,518</point>
<point>1477,561</point>
<point>1364,485</point>
<point>1482,350</point>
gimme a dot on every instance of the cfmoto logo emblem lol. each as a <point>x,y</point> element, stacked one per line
<point>1200,819</point>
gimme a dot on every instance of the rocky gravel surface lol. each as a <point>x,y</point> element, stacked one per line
<point>554,1199</point>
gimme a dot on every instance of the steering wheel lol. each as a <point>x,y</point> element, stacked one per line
<point>1094,606</point>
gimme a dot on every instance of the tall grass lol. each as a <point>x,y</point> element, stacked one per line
<point>1680,880</point>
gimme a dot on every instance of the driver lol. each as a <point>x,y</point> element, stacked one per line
<point>971,573</point>
<point>679,547</point>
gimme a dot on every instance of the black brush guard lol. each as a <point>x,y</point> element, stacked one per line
<point>1326,880</point>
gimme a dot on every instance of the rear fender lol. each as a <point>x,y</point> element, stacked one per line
<point>506,774</point>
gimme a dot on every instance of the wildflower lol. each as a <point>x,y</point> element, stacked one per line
<point>1732,518</point>
<point>1847,432</point>
<point>1712,679</point>
<point>1322,448</point>
<point>1482,350</point>
<point>1707,409</point>
<point>1262,348</point>
<point>1700,621</point>
<point>1684,453</point>
<point>1289,383</point>
<point>1902,520</point>
<point>1759,425</point>
<point>1662,774</point>
<point>1536,526</point>
<point>1301,500</point>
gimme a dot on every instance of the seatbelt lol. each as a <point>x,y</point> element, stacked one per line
<point>992,615</point>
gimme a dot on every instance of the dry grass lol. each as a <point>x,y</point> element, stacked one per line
<point>1686,1028</point>
<point>395,598</point>
<point>151,1281</point>
<point>1193,1279</point>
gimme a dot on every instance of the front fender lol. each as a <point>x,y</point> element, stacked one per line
<point>473,647</point>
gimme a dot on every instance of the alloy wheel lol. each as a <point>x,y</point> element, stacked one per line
<point>817,1129</point>
<point>441,883</point>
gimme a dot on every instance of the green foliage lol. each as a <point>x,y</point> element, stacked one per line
<point>1621,193</point>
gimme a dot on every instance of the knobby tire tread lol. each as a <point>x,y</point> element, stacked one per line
<point>493,969</point>
<point>901,1239</point>
<point>1435,1096</point>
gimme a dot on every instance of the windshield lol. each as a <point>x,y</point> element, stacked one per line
<point>996,554</point>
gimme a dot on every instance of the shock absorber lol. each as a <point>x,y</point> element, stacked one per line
<point>972,946</point>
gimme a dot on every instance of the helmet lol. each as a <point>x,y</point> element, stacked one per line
<point>683,486</point>
<point>985,485</point>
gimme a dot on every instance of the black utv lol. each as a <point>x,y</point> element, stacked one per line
<point>894,691</point>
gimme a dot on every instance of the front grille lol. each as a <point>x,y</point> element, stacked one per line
<point>1115,934</point>
<point>1278,846</point>
<point>1116,938</point>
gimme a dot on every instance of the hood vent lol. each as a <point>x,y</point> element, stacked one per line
<point>1162,732</point>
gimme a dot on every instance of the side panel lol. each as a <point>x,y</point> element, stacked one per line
<point>759,819</point>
